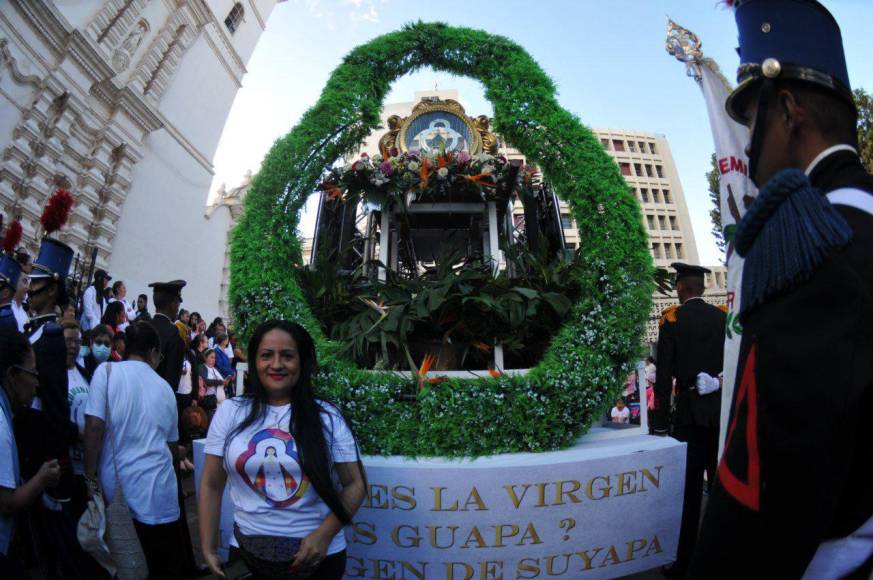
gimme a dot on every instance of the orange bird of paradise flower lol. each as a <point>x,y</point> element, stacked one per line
<point>494,372</point>
<point>428,361</point>
<point>479,179</point>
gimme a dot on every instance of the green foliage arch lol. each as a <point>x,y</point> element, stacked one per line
<point>589,358</point>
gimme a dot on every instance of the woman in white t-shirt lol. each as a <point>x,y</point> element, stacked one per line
<point>256,444</point>
<point>131,433</point>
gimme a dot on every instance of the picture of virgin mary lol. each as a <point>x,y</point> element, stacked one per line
<point>273,480</point>
<point>270,466</point>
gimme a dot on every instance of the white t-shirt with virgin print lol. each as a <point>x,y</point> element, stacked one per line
<point>270,494</point>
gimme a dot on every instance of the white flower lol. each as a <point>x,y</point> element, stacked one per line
<point>443,172</point>
<point>377,158</point>
<point>487,169</point>
<point>347,167</point>
<point>413,166</point>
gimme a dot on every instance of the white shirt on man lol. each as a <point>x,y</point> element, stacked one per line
<point>270,494</point>
<point>92,310</point>
<point>142,420</point>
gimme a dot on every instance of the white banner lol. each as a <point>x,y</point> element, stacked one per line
<point>737,192</point>
<point>603,509</point>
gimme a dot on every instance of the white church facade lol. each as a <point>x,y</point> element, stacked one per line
<point>123,102</point>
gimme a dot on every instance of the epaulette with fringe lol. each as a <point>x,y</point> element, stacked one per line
<point>668,315</point>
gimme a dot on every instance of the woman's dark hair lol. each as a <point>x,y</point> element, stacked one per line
<point>305,423</point>
<point>112,313</point>
<point>116,285</point>
<point>120,336</point>
<point>141,339</point>
<point>220,337</point>
<point>193,319</point>
<point>210,331</point>
<point>145,299</point>
<point>207,352</point>
<point>198,339</point>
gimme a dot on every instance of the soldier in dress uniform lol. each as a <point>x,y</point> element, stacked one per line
<point>792,496</point>
<point>10,272</point>
<point>691,351</point>
<point>47,293</point>
<point>167,298</point>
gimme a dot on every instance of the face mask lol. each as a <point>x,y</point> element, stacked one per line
<point>101,353</point>
<point>84,351</point>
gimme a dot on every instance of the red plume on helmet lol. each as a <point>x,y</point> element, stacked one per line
<point>12,237</point>
<point>57,211</point>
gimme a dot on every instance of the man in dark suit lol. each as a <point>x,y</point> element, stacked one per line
<point>691,351</point>
<point>792,497</point>
<point>167,297</point>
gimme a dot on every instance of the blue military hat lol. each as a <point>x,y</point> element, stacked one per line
<point>791,40</point>
<point>10,271</point>
<point>54,260</point>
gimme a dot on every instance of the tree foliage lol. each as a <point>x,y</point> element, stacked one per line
<point>715,197</point>
<point>864,103</point>
<point>589,358</point>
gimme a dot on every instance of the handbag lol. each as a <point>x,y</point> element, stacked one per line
<point>268,556</point>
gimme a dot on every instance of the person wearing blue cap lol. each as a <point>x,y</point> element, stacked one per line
<point>10,272</point>
<point>792,493</point>
<point>45,431</point>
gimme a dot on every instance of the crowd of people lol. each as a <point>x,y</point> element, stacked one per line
<point>101,399</point>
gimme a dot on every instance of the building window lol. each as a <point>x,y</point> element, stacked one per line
<point>660,171</point>
<point>655,196</point>
<point>642,147</point>
<point>668,250</point>
<point>637,169</point>
<point>632,147</point>
<point>625,169</point>
<point>673,224</point>
<point>618,145</point>
<point>651,222</point>
<point>656,251</point>
<point>605,143</point>
<point>649,170</point>
<point>566,222</point>
<point>679,253</point>
<point>652,148</point>
<point>235,18</point>
<point>645,195</point>
<point>667,198</point>
<point>571,246</point>
<point>662,223</point>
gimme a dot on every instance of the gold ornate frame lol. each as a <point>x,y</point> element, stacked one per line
<point>480,127</point>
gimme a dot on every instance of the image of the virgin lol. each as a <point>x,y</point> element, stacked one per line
<point>275,474</point>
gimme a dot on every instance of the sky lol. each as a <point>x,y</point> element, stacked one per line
<point>606,58</point>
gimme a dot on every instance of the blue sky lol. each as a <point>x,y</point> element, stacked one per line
<point>606,57</point>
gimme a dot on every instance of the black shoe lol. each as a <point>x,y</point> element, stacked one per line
<point>201,572</point>
<point>673,571</point>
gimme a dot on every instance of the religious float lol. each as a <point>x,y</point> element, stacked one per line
<point>473,353</point>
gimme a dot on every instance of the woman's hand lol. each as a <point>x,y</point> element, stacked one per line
<point>214,564</point>
<point>312,552</point>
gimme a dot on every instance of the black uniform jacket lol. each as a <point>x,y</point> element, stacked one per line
<point>691,341</point>
<point>798,461</point>
<point>173,349</point>
<point>47,434</point>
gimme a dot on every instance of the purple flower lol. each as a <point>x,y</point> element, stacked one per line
<point>463,157</point>
<point>358,166</point>
<point>393,152</point>
<point>386,168</point>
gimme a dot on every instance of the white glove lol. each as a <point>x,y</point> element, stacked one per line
<point>707,384</point>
